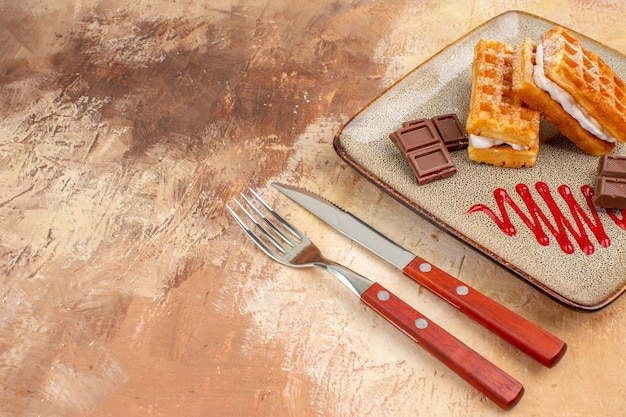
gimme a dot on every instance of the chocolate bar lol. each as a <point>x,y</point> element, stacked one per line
<point>449,128</point>
<point>424,151</point>
<point>611,182</point>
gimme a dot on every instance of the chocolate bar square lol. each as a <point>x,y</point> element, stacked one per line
<point>610,189</point>
<point>431,163</point>
<point>451,131</point>
<point>418,135</point>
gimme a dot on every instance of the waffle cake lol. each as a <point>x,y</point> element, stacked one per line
<point>503,131</point>
<point>524,86</point>
<point>574,89</point>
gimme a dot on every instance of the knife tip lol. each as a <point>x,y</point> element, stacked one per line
<point>278,186</point>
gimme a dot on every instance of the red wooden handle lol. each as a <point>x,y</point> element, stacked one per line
<point>486,377</point>
<point>521,333</point>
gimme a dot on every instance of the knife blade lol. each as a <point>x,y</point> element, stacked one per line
<point>531,339</point>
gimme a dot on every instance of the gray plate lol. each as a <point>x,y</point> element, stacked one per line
<point>442,85</point>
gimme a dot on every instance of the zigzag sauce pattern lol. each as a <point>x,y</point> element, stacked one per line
<point>562,226</point>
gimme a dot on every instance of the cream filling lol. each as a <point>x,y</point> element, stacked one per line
<point>482,142</point>
<point>567,101</point>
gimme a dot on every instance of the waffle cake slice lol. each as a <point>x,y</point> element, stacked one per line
<point>591,95</point>
<point>524,86</point>
<point>503,131</point>
<point>596,88</point>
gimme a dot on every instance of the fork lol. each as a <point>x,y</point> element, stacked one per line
<point>284,243</point>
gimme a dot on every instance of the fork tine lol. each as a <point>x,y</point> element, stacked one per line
<point>272,254</point>
<point>265,233</point>
<point>274,228</point>
<point>295,232</point>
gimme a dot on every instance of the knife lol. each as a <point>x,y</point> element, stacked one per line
<point>531,339</point>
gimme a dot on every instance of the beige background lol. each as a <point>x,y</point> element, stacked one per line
<point>127,290</point>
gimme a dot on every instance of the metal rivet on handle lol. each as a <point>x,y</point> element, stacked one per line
<point>425,267</point>
<point>383,295</point>
<point>421,323</point>
<point>462,290</point>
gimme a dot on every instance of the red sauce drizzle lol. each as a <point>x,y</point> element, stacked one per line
<point>619,221</point>
<point>561,227</point>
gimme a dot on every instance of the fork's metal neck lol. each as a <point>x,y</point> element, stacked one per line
<point>355,282</point>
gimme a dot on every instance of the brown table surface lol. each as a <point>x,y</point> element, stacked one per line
<point>127,290</point>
